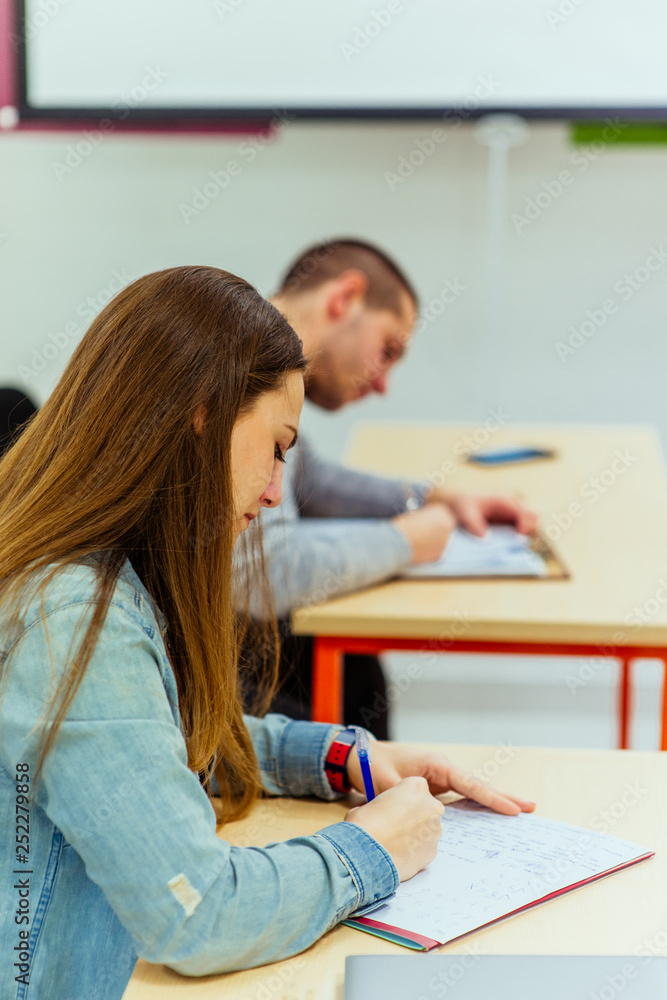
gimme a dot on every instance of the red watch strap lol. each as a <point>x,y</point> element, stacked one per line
<point>335,764</point>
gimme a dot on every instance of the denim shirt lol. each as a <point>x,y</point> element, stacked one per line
<point>123,855</point>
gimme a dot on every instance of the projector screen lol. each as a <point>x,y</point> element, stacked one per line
<point>343,58</point>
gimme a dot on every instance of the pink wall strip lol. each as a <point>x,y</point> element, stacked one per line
<point>8,77</point>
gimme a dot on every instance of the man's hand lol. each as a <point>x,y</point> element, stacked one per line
<point>427,529</point>
<point>476,513</point>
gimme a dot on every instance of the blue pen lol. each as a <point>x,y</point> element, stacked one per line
<point>364,755</point>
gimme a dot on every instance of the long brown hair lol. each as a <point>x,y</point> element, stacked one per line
<point>112,465</point>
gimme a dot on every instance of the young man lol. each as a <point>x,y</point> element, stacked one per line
<point>338,530</point>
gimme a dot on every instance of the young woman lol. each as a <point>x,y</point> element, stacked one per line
<point>119,509</point>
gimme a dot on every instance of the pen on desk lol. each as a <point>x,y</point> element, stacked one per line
<point>364,755</point>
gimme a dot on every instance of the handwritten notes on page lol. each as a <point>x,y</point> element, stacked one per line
<point>488,866</point>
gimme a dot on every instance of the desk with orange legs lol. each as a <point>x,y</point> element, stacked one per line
<point>602,502</point>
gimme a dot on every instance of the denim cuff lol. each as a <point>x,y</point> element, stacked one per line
<point>373,872</point>
<point>302,749</point>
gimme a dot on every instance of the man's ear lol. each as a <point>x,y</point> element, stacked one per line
<point>199,419</point>
<point>347,292</point>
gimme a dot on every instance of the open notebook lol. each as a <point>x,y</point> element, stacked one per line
<point>489,867</point>
<point>503,551</point>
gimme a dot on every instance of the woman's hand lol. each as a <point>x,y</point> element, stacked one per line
<point>391,762</point>
<point>406,820</point>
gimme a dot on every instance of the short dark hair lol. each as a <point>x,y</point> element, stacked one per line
<point>324,261</point>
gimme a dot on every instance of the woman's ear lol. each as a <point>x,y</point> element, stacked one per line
<point>199,418</point>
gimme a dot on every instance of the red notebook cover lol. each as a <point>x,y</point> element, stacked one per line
<point>411,939</point>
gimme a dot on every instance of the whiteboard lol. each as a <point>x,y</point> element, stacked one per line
<point>345,57</point>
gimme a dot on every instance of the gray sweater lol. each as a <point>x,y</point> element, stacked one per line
<point>331,534</point>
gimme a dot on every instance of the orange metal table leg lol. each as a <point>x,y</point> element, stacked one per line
<point>328,669</point>
<point>624,703</point>
<point>327,681</point>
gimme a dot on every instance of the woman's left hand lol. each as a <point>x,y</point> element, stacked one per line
<point>390,762</point>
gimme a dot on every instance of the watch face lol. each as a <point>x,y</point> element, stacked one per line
<point>412,503</point>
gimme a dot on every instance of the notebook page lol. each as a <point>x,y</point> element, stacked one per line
<point>503,551</point>
<point>489,865</point>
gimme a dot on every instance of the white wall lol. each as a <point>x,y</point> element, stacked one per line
<point>63,234</point>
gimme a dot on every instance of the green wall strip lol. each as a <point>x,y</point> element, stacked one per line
<point>615,132</point>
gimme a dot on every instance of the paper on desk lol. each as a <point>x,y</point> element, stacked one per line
<point>502,552</point>
<point>489,865</point>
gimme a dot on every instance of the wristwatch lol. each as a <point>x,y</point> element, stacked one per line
<point>415,495</point>
<point>335,763</point>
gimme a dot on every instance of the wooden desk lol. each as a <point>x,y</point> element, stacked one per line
<point>617,916</point>
<point>603,503</point>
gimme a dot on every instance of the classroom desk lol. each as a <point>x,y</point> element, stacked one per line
<point>626,790</point>
<point>603,503</point>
